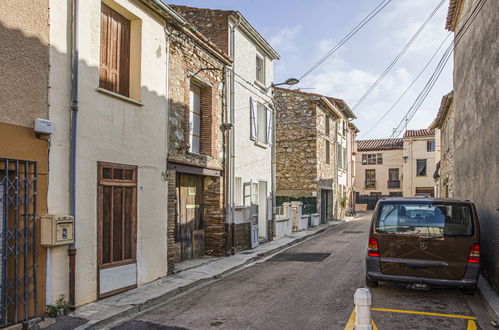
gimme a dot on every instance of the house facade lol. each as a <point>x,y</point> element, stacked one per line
<point>419,163</point>
<point>249,118</point>
<point>196,190</point>
<point>309,134</point>
<point>351,154</point>
<point>109,146</point>
<point>444,153</point>
<point>24,172</point>
<point>475,104</point>
<point>379,167</point>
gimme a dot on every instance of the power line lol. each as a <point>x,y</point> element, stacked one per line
<point>438,70</point>
<point>350,34</point>
<point>409,87</point>
<point>399,55</point>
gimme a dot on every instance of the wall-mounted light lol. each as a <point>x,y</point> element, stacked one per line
<point>405,158</point>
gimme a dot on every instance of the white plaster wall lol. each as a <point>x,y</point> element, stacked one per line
<point>414,149</point>
<point>109,130</point>
<point>252,162</point>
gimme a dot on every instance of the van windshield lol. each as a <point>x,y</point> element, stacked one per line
<point>425,219</point>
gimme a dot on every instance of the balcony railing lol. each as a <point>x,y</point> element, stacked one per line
<point>370,184</point>
<point>393,183</point>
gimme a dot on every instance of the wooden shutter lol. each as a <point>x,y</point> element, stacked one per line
<point>114,52</point>
<point>270,127</point>
<point>253,126</point>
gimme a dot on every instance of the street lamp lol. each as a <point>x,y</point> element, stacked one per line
<point>289,81</point>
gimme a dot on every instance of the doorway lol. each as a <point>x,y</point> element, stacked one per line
<point>262,210</point>
<point>325,204</point>
<point>190,221</point>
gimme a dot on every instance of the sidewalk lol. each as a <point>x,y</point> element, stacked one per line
<point>105,311</point>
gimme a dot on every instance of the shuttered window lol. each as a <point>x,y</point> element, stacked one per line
<point>117,207</point>
<point>114,52</point>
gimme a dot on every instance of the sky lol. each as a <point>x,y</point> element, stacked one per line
<point>304,31</point>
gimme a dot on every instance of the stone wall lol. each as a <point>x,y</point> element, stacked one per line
<point>296,143</point>
<point>447,156</point>
<point>242,236</point>
<point>190,64</point>
<point>476,100</point>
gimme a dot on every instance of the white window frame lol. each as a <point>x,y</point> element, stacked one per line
<point>193,146</point>
<point>260,78</point>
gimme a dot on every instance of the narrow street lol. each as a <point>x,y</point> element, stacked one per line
<point>282,294</point>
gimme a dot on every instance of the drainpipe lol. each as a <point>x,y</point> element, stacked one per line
<point>230,121</point>
<point>72,156</point>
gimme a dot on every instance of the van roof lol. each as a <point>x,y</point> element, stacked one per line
<point>425,199</point>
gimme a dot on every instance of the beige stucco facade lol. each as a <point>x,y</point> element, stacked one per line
<point>110,129</point>
<point>392,159</point>
<point>415,148</point>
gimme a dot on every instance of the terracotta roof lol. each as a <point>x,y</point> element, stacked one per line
<point>419,132</point>
<point>379,144</point>
<point>453,14</point>
<point>445,105</point>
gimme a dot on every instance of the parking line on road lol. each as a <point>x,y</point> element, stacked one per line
<point>424,313</point>
<point>471,325</point>
<point>351,322</point>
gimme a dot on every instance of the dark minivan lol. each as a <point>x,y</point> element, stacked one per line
<point>424,242</point>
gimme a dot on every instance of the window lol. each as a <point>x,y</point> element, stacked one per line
<point>372,159</point>
<point>261,123</point>
<point>117,213</point>
<point>339,155</point>
<point>260,69</point>
<point>194,119</point>
<point>238,191</point>
<point>328,152</point>
<point>254,193</point>
<point>370,179</point>
<point>328,128</point>
<point>395,194</point>
<point>425,191</point>
<point>421,167</point>
<point>393,178</point>
<point>430,146</point>
<point>345,160</point>
<point>114,52</point>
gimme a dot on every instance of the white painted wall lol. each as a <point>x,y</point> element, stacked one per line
<point>110,130</point>
<point>415,148</point>
<point>253,162</point>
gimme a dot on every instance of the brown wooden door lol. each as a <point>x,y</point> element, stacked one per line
<point>191,224</point>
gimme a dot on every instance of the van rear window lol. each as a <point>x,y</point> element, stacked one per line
<point>425,219</point>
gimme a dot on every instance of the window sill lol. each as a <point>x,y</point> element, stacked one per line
<point>119,96</point>
<point>198,155</point>
<point>261,85</point>
<point>261,145</point>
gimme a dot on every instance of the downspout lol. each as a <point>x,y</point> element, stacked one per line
<point>72,155</point>
<point>231,140</point>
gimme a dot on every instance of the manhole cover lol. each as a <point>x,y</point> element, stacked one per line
<point>352,232</point>
<point>304,257</point>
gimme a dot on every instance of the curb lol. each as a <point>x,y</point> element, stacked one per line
<point>134,309</point>
<point>490,299</point>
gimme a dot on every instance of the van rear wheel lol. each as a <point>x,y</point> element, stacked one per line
<point>371,283</point>
<point>468,291</point>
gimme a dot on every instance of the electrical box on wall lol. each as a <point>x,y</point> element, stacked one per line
<point>44,126</point>
<point>57,230</point>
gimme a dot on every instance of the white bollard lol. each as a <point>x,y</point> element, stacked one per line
<point>362,300</point>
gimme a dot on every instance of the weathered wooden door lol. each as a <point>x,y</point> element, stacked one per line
<point>325,206</point>
<point>191,220</point>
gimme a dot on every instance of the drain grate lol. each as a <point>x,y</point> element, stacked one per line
<point>303,257</point>
<point>352,232</point>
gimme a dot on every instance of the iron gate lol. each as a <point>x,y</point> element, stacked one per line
<point>18,182</point>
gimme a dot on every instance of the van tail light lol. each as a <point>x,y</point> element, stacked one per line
<point>372,248</point>
<point>474,254</point>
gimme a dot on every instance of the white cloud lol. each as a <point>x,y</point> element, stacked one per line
<point>283,40</point>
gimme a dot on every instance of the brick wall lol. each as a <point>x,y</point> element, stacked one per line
<point>242,236</point>
<point>214,216</point>
<point>214,24</point>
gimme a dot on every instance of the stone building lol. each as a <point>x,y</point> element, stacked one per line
<point>196,215</point>
<point>307,146</point>
<point>379,167</point>
<point>249,118</point>
<point>24,172</point>
<point>444,153</point>
<point>419,163</point>
<point>475,111</point>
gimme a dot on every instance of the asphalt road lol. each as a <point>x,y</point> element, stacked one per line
<point>313,293</point>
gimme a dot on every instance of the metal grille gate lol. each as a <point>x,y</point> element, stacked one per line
<point>18,182</point>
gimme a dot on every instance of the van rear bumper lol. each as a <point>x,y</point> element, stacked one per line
<point>470,279</point>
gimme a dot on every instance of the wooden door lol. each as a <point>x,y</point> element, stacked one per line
<point>191,224</point>
<point>324,205</point>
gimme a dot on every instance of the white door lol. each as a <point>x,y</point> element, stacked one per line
<point>262,209</point>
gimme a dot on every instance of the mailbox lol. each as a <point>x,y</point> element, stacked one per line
<point>57,230</point>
